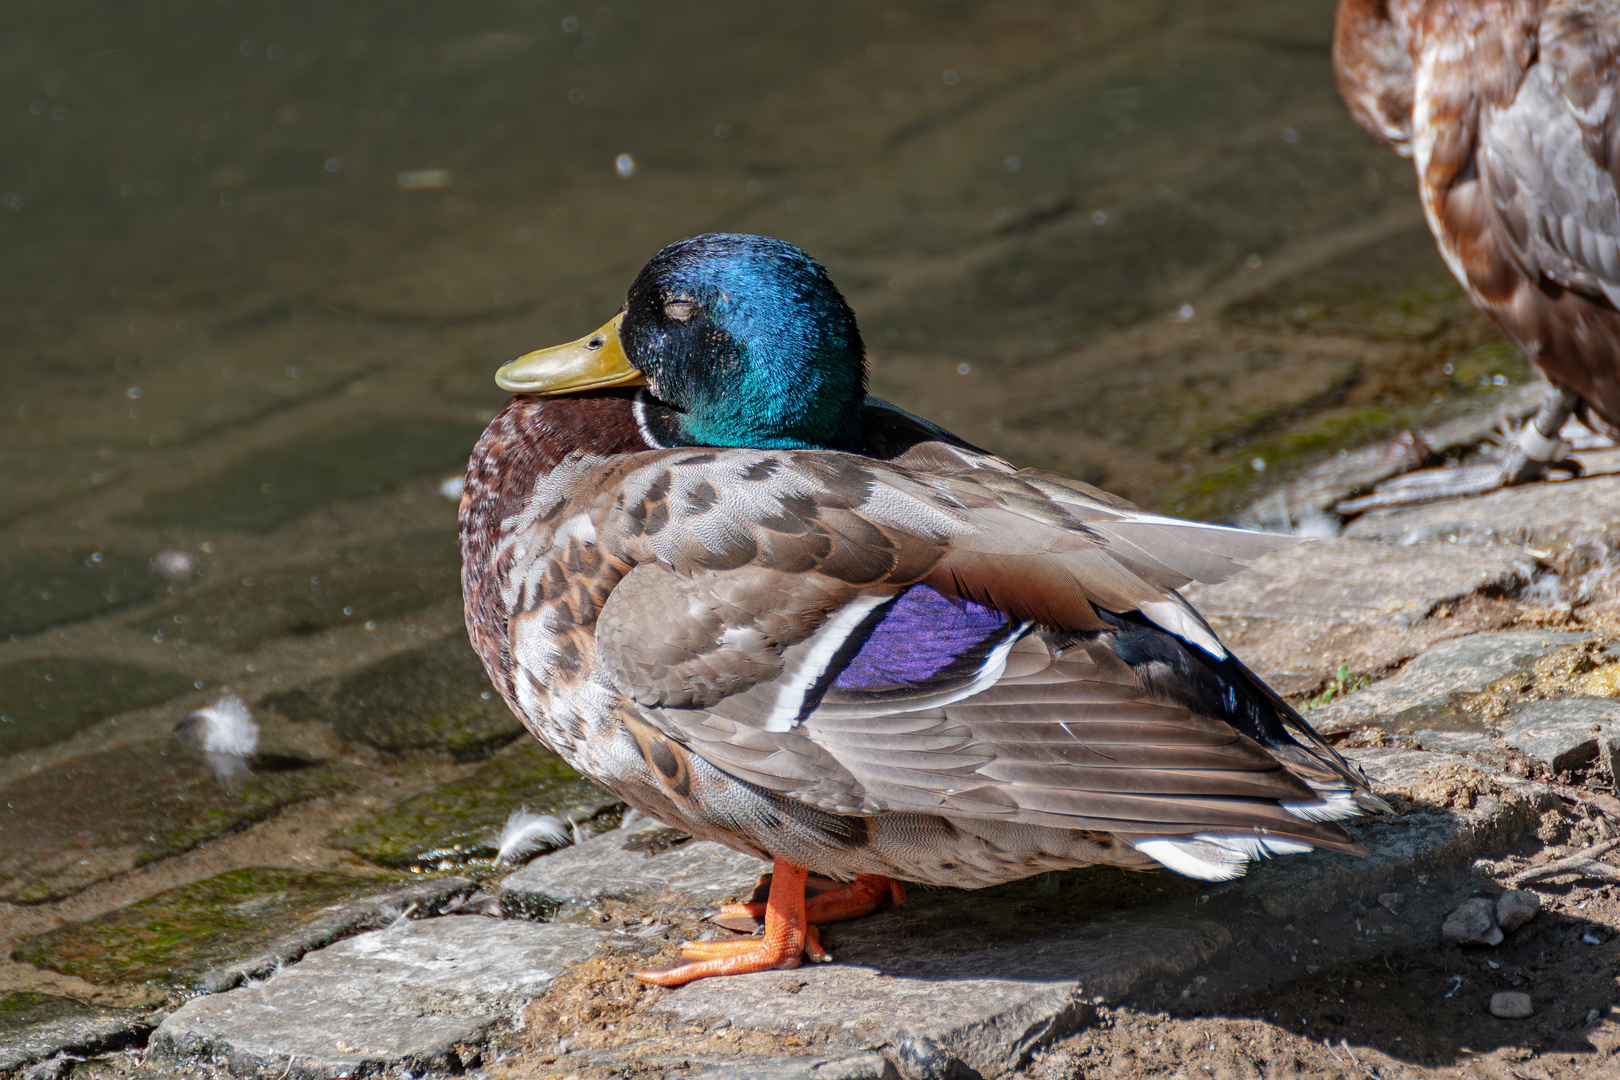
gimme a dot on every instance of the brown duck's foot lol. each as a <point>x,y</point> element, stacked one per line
<point>839,902</point>
<point>787,936</point>
<point>1534,455</point>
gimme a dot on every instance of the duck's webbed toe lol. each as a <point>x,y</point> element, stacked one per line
<point>788,936</point>
<point>835,902</point>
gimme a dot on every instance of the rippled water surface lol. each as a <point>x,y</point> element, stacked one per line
<point>259,261</point>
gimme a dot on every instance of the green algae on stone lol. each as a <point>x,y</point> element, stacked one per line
<point>351,587</point>
<point>269,489</point>
<point>1397,287</point>
<point>211,933</point>
<point>455,824</point>
<point>434,697</point>
<point>40,590</point>
<point>46,701</point>
<point>98,815</point>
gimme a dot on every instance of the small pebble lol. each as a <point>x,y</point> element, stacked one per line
<point>1516,907</point>
<point>1474,922</point>
<point>1391,901</point>
<point>1510,1005</point>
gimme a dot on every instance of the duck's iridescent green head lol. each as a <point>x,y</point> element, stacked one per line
<point>744,339</point>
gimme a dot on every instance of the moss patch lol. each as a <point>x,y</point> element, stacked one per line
<point>454,825</point>
<point>178,936</point>
<point>270,489</point>
<point>46,701</point>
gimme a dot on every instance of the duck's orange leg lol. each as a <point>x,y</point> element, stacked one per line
<point>860,897</point>
<point>787,935</point>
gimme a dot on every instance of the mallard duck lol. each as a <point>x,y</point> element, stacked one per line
<point>1508,110</point>
<point>757,604</point>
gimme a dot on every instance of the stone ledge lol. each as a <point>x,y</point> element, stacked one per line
<point>409,997</point>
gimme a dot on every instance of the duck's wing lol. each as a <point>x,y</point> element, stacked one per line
<point>1549,160</point>
<point>866,639</point>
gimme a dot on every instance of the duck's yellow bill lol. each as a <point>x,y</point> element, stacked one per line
<point>595,361</point>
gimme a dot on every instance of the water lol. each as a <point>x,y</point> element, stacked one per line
<point>260,261</point>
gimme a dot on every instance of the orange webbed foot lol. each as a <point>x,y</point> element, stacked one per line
<point>787,936</point>
<point>837,903</point>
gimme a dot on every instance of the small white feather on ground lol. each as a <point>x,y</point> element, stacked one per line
<point>226,733</point>
<point>526,832</point>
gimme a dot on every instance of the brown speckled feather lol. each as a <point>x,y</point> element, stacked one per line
<point>1508,109</point>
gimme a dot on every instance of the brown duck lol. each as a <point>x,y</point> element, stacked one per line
<point>710,572</point>
<point>1508,110</point>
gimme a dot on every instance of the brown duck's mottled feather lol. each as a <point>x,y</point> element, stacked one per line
<point>527,439</point>
<point>663,618</point>
<point>1509,108</point>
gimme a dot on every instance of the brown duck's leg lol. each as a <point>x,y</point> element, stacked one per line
<point>1536,451</point>
<point>860,897</point>
<point>787,935</point>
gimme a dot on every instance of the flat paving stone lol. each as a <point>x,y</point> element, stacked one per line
<point>36,1026</point>
<point>455,824</point>
<point>1424,696</point>
<point>97,815</point>
<point>940,994</point>
<point>982,1008</point>
<point>410,997</point>
<point>434,697</point>
<point>211,935</point>
<point>1546,516</point>
<point>646,862</point>
<point>1296,614</point>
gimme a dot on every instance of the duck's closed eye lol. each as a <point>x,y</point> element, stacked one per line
<point>680,310</point>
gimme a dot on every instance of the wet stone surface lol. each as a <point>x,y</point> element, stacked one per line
<point>212,934</point>
<point>46,701</point>
<point>418,996</point>
<point>434,697</point>
<point>456,823</point>
<point>130,806</point>
<point>349,588</point>
<point>272,488</point>
<point>37,1026</point>
<point>38,590</point>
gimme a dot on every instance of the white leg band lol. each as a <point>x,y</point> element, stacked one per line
<point>1539,447</point>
